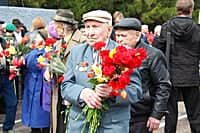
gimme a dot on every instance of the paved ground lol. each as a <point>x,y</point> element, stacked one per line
<point>182,127</point>
<point>19,128</point>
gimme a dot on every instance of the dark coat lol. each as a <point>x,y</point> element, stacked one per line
<point>155,84</point>
<point>33,115</point>
<point>184,50</point>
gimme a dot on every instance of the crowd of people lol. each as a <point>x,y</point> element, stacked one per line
<point>169,71</point>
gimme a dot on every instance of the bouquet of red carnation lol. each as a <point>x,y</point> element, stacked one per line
<point>115,68</point>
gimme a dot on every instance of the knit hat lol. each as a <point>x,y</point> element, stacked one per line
<point>10,27</point>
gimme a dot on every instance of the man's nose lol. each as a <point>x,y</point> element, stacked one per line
<point>119,39</point>
<point>90,31</point>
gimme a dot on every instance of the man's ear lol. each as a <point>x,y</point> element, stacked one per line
<point>110,30</point>
<point>138,35</point>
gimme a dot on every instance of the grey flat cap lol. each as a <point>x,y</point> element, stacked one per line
<point>128,23</point>
<point>98,15</point>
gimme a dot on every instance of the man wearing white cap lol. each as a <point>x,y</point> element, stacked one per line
<point>76,89</point>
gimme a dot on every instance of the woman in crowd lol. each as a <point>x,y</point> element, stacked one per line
<point>33,114</point>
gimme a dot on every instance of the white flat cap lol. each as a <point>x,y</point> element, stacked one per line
<point>98,15</point>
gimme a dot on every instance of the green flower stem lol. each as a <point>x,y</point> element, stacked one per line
<point>94,116</point>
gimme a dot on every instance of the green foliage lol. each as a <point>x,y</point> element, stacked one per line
<point>150,12</point>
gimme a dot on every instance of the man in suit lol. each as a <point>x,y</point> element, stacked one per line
<point>76,88</point>
<point>146,113</point>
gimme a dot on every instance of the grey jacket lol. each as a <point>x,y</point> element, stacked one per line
<point>116,119</point>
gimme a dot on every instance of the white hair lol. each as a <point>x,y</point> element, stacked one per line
<point>157,30</point>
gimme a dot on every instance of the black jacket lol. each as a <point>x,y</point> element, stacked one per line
<point>184,50</point>
<point>155,84</point>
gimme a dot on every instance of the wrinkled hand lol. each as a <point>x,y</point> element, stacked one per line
<point>153,124</point>
<point>103,90</point>
<point>90,98</point>
<point>47,75</point>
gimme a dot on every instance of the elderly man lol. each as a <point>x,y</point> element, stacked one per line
<point>146,113</point>
<point>76,88</point>
<point>66,27</point>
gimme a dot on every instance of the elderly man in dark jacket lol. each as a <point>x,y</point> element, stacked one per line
<point>146,114</point>
<point>180,40</point>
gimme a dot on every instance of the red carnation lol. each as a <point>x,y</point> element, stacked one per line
<point>60,79</point>
<point>121,49</point>
<point>41,65</point>
<point>114,84</point>
<point>115,93</point>
<point>50,41</point>
<point>64,46</point>
<point>105,57</point>
<point>123,80</point>
<point>6,53</point>
<point>99,45</point>
<point>48,56</point>
<point>108,69</point>
<point>143,53</point>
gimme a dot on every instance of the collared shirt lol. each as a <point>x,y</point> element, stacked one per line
<point>96,54</point>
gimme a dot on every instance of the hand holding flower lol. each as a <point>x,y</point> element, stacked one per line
<point>90,98</point>
<point>47,75</point>
<point>103,90</point>
<point>13,72</point>
<point>13,69</point>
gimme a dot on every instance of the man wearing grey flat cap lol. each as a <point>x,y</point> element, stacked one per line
<point>146,113</point>
<point>77,89</point>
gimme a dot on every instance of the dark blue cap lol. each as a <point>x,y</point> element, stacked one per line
<point>128,23</point>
